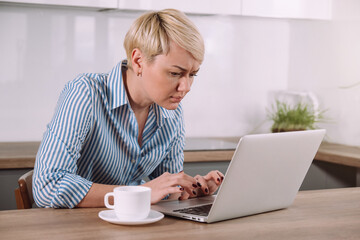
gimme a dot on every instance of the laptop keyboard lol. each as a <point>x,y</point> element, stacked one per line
<point>202,210</point>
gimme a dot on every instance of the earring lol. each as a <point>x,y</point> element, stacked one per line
<point>139,74</point>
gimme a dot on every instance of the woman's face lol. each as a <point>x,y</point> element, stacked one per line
<point>168,78</point>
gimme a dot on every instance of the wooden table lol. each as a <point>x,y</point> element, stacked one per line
<point>321,214</point>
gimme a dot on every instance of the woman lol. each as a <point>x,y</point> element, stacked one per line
<point>118,128</point>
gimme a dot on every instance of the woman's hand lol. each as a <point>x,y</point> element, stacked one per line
<point>207,184</point>
<point>175,184</point>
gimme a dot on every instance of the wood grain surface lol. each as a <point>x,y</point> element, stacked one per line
<point>321,214</point>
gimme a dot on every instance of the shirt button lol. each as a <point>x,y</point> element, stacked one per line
<point>133,161</point>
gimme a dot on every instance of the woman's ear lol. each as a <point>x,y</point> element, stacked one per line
<point>137,61</point>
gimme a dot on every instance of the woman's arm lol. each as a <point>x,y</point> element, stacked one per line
<point>56,182</point>
<point>95,196</point>
<point>160,187</point>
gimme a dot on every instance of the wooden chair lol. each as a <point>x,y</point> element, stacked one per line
<point>23,194</point>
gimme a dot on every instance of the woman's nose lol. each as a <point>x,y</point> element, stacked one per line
<point>184,84</point>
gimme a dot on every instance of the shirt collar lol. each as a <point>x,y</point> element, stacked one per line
<point>167,113</point>
<point>162,114</point>
<point>116,88</point>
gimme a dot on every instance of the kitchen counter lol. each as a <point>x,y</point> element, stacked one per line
<point>17,155</point>
<point>222,149</point>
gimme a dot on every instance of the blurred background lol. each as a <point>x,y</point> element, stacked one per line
<point>254,50</point>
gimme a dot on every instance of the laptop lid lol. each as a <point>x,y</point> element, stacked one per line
<point>264,174</point>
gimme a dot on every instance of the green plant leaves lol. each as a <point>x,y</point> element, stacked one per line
<point>297,117</point>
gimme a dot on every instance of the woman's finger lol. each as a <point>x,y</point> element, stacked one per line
<point>160,194</point>
<point>216,176</point>
<point>221,175</point>
<point>169,183</point>
<point>203,185</point>
<point>173,190</point>
<point>188,178</point>
<point>184,196</point>
<point>187,182</point>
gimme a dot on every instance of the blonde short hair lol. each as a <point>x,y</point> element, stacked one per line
<point>152,33</point>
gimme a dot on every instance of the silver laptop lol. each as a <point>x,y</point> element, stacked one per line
<point>264,174</point>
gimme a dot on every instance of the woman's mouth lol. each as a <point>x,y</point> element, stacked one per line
<point>176,99</point>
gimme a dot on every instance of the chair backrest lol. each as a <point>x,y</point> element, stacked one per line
<point>23,194</point>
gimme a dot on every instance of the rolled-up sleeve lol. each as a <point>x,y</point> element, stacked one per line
<point>55,181</point>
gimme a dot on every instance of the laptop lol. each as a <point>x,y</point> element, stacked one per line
<point>265,174</point>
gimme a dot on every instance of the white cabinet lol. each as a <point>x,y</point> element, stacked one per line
<point>301,9</point>
<point>98,4</point>
<point>229,7</point>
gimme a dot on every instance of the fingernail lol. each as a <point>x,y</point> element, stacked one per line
<point>222,178</point>
<point>179,198</point>
<point>206,190</point>
<point>199,185</point>
<point>181,171</point>
<point>181,189</point>
<point>194,192</point>
<point>194,185</point>
<point>218,179</point>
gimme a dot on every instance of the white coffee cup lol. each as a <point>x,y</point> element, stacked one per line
<point>130,202</point>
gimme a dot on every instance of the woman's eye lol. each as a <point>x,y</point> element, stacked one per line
<point>175,74</point>
<point>193,75</point>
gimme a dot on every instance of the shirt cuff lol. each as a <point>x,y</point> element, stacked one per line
<point>71,191</point>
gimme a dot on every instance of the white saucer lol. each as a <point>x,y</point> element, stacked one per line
<point>110,216</point>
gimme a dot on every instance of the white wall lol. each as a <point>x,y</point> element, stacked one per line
<point>246,60</point>
<point>43,48</point>
<point>324,56</point>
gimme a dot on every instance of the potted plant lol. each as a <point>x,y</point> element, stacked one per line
<point>287,117</point>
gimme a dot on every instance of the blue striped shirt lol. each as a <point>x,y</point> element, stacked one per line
<point>92,138</point>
